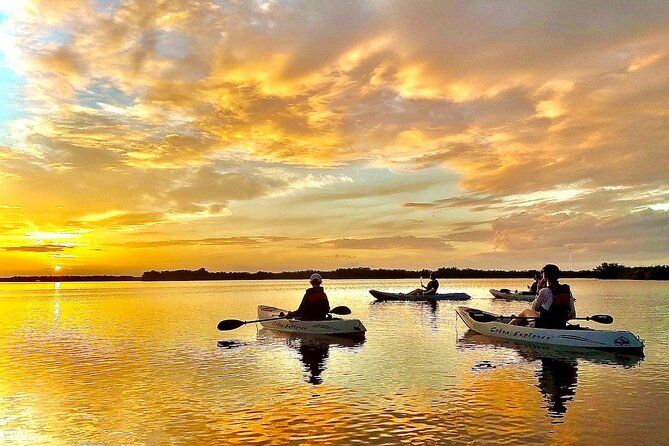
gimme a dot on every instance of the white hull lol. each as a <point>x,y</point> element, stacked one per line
<point>333,327</point>
<point>513,296</point>
<point>382,295</point>
<point>609,340</point>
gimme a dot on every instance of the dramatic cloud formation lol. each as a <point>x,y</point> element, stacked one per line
<point>280,135</point>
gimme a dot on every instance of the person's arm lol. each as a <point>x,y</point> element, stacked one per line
<point>298,313</point>
<point>572,307</point>
<point>539,300</point>
<point>431,287</point>
<point>327,303</point>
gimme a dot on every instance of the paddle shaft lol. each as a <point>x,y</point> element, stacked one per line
<point>588,318</point>
<point>231,324</point>
<point>599,318</point>
<point>265,320</point>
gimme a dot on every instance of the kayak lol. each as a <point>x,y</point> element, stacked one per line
<point>382,295</point>
<point>507,294</point>
<point>533,352</point>
<point>334,327</point>
<point>618,341</point>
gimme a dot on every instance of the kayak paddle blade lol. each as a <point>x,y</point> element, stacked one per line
<point>602,318</point>
<point>230,324</point>
<point>341,310</point>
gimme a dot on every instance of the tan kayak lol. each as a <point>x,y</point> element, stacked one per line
<point>334,326</point>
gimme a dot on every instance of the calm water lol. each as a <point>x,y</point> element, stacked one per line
<point>138,363</point>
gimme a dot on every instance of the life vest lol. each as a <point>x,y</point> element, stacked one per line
<point>316,305</point>
<point>315,295</point>
<point>558,314</point>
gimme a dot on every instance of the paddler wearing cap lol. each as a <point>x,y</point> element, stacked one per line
<point>315,305</point>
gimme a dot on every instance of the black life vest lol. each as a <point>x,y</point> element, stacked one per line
<point>558,314</point>
<point>316,305</point>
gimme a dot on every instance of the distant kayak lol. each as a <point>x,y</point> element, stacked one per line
<point>609,340</point>
<point>333,327</point>
<point>507,294</point>
<point>382,295</point>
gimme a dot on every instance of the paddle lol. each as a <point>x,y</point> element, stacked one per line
<point>599,318</point>
<point>231,324</point>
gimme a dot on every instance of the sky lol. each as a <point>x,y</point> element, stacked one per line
<point>285,135</point>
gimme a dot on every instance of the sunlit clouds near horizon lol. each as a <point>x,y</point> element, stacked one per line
<point>283,135</point>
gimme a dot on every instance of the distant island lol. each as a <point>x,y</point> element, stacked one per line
<point>603,271</point>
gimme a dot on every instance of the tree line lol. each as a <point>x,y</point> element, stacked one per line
<point>603,271</point>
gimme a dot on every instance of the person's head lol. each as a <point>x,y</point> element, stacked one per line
<point>433,275</point>
<point>551,272</point>
<point>316,279</point>
<point>537,277</point>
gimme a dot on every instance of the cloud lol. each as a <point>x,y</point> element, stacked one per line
<point>357,191</point>
<point>42,248</point>
<point>417,205</point>
<point>191,116</point>
<point>480,235</point>
<point>381,243</point>
<point>612,235</point>
<point>244,242</point>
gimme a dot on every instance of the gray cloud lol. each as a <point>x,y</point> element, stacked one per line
<point>40,248</point>
<point>380,243</point>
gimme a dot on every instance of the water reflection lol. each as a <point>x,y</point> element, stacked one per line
<point>56,301</point>
<point>557,375</point>
<point>557,380</point>
<point>313,350</point>
<point>313,357</point>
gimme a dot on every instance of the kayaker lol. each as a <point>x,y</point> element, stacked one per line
<point>315,305</point>
<point>554,304</point>
<point>429,289</point>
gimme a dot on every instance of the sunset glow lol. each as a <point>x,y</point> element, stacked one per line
<point>287,135</point>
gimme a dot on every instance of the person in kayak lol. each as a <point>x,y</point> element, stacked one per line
<point>554,304</point>
<point>315,305</point>
<point>429,289</point>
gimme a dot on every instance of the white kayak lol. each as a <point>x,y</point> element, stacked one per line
<point>618,341</point>
<point>382,295</point>
<point>507,294</point>
<point>333,327</point>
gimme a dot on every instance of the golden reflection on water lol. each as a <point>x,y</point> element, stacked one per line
<point>138,363</point>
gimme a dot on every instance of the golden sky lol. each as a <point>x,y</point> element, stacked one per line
<point>281,135</point>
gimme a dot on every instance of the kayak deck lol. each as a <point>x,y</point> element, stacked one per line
<point>609,340</point>
<point>333,327</point>
<point>385,296</point>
